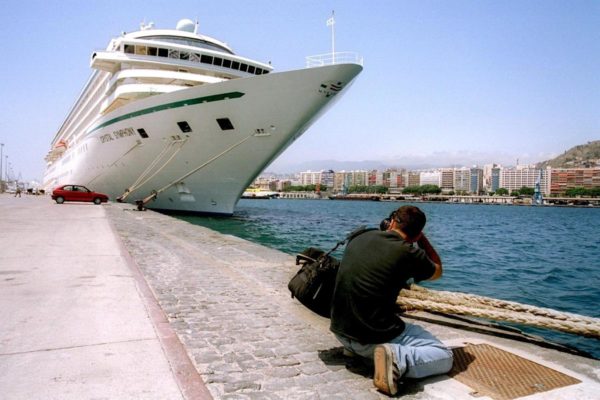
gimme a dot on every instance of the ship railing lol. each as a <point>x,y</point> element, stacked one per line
<point>345,57</point>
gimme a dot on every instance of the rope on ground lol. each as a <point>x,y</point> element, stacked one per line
<point>420,298</point>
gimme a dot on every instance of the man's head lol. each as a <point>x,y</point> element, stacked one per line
<point>410,220</point>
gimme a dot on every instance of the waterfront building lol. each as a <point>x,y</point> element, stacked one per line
<point>281,185</point>
<point>396,179</point>
<point>430,178</point>
<point>462,180</point>
<point>495,180</point>
<point>340,183</point>
<point>476,186</point>
<point>343,180</point>
<point>375,178</point>
<point>310,177</point>
<point>324,178</point>
<point>327,179</point>
<point>267,183</point>
<point>411,178</point>
<point>523,176</point>
<point>447,179</point>
<point>562,179</point>
<point>491,177</point>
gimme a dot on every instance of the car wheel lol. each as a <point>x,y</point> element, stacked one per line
<point>60,199</point>
<point>97,200</point>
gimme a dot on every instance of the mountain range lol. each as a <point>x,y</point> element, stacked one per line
<point>585,155</point>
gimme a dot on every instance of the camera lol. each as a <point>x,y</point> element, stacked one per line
<point>385,224</point>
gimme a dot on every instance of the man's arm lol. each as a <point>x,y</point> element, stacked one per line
<point>433,256</point>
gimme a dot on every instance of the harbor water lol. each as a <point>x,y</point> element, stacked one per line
<point>543,256</point>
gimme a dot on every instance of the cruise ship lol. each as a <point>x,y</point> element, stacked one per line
<point>171,119</point>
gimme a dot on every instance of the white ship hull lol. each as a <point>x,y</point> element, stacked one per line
<point>206,169</point>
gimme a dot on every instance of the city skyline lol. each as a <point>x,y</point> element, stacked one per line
<point>512,80</point>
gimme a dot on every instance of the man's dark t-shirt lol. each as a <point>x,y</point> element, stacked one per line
<point>374,268</point>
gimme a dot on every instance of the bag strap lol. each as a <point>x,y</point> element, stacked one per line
<point>358,231</point>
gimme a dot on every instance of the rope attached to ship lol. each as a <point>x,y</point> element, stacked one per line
<point>420,298</point>
<point>155,193</point>
<point>144,176</point>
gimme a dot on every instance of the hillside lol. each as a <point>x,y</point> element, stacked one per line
<point>582,156</point>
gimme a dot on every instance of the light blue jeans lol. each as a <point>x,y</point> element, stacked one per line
<point>418,352</point>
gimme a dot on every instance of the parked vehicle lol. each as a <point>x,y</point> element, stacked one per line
<point>77,193</point>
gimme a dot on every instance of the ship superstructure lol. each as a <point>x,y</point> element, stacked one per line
<point>178,118</point>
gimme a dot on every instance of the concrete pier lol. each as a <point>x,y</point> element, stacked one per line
<point>106,302</point>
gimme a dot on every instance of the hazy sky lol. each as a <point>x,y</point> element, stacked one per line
<point>442,79</point>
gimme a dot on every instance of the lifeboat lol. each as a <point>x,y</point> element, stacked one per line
<point>59,147</point>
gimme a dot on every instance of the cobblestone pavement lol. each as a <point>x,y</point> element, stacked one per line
<point>227,300</point>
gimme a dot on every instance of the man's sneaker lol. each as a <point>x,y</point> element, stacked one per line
<point>386,371</point>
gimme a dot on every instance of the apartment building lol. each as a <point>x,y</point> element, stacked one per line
<point>562,179</point>
<point>447,179</point>
<point>325,178</point>
<point>476,186</point>
<point>462,180</point>
<point>430,178</point>
<point>344,179</point>
<point>519,176</point>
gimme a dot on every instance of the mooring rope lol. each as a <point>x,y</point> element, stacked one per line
<point>420,298</point>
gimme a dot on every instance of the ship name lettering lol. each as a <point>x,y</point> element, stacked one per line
<point>105,138</point>
<point>121,133</point>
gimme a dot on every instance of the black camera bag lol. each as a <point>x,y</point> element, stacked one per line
<point>313,284</point>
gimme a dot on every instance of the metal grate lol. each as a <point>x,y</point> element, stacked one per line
<point>502,375</point>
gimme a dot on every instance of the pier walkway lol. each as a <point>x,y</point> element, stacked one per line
<point>106,302</point>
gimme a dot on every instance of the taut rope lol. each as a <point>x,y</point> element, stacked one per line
<point>419,298</point>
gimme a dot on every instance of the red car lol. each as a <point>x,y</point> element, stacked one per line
<point>77,193</point>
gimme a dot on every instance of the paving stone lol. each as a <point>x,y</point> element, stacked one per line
<point>227,300</point>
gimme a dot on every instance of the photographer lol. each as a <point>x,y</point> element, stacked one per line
<point>374,268</point>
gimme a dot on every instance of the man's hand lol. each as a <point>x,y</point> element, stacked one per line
<point>423,243</point>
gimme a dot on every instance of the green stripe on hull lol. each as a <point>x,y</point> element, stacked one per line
<point>168,106</point>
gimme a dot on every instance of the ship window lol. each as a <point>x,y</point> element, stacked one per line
<point>217,61</point>
<point>184,55</point>
<point>225,124</point>
<point>141,50</point>
<point>184,126</point>
<point>189,42</point>
<point>129,49</point>
<point>235,65</point>
<point>152,51</point>
<point>244,67</point>
<point>227,63</point>
<point>173,53</point>
<point>251,69</point>
<point>206,59</point>
<point>143,133</point>
<point>195,57</point>
<point>259,71</point>
<point>163,53</point>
